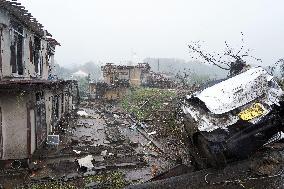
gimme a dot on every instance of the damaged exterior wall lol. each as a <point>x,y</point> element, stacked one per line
<point>118,93</point>
<point>61,97</point>
<point>29,60</point>
<point>99,91</point>
<point>32,102</point>
<point>27,120</point>
<point>134,75</point>
<point>160,80</point>
<point>118,80</point>
<point>14,128</point>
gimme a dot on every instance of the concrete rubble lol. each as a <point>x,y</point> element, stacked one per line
<point>106,143</point>
<point>100,142</point>
<point>86,163</point>
<point>109,147</point>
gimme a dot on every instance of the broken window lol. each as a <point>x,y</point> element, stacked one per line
<point>48,58</point>
<point>31,47</point>
<point>124,75</point>
<point>40,117</point>
<point>66,101</point>
<point>1,60</point>
<point>1,137</point>
<point>62,104</point>
<point>16,60</point>
<point>37,59</point>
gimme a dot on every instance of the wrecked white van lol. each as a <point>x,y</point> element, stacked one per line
<point>234,117</point>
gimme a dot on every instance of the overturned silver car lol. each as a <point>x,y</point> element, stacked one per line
<point>234,118</point>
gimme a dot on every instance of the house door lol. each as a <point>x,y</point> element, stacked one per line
<point>31,143</point>
<point>32,130</point>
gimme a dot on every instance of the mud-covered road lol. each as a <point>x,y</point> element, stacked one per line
<point>113,143</point>
<point>263,170</point>
<point>106,148</point>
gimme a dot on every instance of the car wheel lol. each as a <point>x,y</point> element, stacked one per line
<point>211,152</point>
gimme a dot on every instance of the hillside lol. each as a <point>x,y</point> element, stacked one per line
<point>176,65</point>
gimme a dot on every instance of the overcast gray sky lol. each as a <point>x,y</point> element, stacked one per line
<point>111,30</point>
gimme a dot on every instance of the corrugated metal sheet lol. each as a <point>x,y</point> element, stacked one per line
<point>239,90</point>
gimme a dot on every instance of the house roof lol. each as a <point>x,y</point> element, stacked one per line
<point>53,42</point>
<point>21,14</point>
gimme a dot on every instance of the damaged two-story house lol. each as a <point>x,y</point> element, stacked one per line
<point>32,101</point>
<point>118,79</point>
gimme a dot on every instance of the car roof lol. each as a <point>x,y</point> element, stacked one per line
<point>236,91</point>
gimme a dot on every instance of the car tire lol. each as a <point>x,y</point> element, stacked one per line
<point>211,152</point>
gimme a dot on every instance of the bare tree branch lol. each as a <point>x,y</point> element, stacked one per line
<point>231,59</point>
<point>209,58</point>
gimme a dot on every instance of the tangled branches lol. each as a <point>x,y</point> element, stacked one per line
<point>231,59</point>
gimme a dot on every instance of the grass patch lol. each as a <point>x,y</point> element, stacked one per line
<point>108,180</point>
<point>111,180</point>
<point>51,185</point>
<point>144,101</point>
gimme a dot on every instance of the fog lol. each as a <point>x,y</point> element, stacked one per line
<point>117,31</point>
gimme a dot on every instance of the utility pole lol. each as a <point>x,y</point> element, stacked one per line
<point>158,65</point>
<point>89,88</point>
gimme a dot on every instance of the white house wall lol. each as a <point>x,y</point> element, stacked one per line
<point>14,121</point>
<point>33,130</point>
<point>29,67</point>
<point>5,43</point>
<point>14,125</point>
<point>14,104</point>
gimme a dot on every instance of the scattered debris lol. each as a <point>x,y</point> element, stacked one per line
<point>86,163</point>
<point>116,116</point>
<point>152,133</point>
<point>82,113</point>
<point>140,144</point>
<point>77,151</point>
<point>104,153</point>
<point>151,141</point>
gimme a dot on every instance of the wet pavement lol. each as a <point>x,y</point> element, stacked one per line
<point>105,136</point>
<point>107,141</point>
<point>261,171</point>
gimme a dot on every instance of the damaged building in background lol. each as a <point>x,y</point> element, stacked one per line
<point>118,79</point>
<point>32,101</point>
<point>160,80</point>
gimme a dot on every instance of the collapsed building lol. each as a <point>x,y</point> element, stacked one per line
<point>118,80</point>
<point>32,102</point>
<point>160,80</point>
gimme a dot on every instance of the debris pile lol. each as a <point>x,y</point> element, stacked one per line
<point>157,113</point>
<point>116,144</point>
